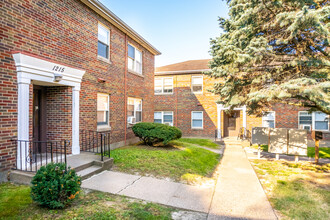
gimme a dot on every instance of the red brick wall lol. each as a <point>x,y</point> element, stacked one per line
<point>182,102</point>
<point>66,32</point>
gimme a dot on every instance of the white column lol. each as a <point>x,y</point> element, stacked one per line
<point>219,108</point>
<point>244,119</point>
<point>75,120</point>
<point>23,122</point>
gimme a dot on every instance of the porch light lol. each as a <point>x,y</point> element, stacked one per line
<point>57,77</point>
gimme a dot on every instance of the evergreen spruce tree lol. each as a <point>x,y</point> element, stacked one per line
<point>273,51</point>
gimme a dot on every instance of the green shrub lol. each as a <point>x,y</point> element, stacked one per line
<point>152,133</point>
<point>54,187</point>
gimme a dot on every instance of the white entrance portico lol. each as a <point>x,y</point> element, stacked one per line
<point>33,70</point>
<point>220,108</point>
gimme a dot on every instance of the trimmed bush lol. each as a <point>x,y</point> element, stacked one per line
<point>153,133</point>
<point>54,187</point>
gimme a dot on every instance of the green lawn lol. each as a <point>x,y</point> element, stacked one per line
<point>15,203</point>
<point>201,142</point>
<point>296,190</point>
<point>178,161</point>
<point>324,152</point>
<point>13,199</point>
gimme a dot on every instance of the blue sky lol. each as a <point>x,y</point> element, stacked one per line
<point>180,29</point>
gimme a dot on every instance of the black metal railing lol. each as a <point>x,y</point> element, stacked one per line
<point>215,134</point>
<point>241,133</point>
<point>244,134</point>
<point>31,155</point>
<point>95,142</point>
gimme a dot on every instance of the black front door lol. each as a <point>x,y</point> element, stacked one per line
<point>39,116</point>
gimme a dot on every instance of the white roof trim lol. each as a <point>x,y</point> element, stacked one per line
<point>99,8</point>
<point>33,68</point>
<point>181,71</point>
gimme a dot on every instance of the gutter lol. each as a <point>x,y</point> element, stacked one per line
<point>180,72</point>
<point>103,11</point>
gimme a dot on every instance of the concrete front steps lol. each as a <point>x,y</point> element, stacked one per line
<point>230,141</point>
<point>85,171</point>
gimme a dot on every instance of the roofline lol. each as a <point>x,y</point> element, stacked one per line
<point>181,72</point>
<point>99,8</point>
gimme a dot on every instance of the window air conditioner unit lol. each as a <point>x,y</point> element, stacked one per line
<point>306,127</point>
<point>131,120</point>
<point>168,123</point>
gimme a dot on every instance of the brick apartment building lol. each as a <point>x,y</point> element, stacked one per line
<point>182,99</point>
<point>67,66</point>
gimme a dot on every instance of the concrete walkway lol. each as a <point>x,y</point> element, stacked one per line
<point>238,193</point>
<point>154,190</point>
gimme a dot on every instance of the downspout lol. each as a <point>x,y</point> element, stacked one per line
<point>176,101</point>
<point>125,88</point>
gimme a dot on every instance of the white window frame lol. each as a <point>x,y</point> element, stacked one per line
<point>196,119</point>
<point>163,114</point>
<point>106,43</point>
<point>163,85</point>
<point>300,126</point>
<point>201,92</point>
<point>265,119</point>
<point>136,102</point>
<point>134,60</point>
<point>107,124</point>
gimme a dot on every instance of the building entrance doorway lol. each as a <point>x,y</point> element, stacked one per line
<point>232,123</point>
<point>39,126</point>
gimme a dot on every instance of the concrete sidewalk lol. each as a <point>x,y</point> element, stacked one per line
<point>238,193</point>
<point>174,194</point>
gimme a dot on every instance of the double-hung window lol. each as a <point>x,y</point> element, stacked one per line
<point>103,41</point>
<point>268,120</point>
<point>305,120</point>
<point>197,84</point>
<point>102,109</point>
<point>134,61</point>
<point>197,119</point>
<point>134,110</point>
<point>321,121</point>
<point>164,85</point>
<point>315,120</point>
<point>164,118</point>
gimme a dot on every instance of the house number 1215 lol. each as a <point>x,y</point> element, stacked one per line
<point>58,69</point>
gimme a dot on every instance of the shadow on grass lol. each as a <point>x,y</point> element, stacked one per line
<point>159,146</point>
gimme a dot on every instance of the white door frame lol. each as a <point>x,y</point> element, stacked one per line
<point>220,108</point>
<point>32,69</point>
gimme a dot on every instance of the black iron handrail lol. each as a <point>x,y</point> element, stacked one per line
<point>95,142</point>
<point>31,155</point>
